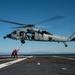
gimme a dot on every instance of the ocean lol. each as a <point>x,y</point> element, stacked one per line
<point>73,54</point>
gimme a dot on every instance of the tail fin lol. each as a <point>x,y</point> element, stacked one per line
<point>72,37</point>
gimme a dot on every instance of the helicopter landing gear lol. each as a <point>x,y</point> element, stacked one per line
<point>65,44</point>
<point>22,41</point>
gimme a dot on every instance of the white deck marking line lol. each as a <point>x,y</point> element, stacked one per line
<point>64,57</point>
<point>30,56</point>
<point>11,62</point>
<point>64,68</point>
<point>5,59</point>
<point>71,58</point>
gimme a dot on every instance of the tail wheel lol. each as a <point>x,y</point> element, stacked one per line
<point>65,45</point>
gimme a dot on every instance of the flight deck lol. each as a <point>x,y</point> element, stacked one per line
<point>38,65</point>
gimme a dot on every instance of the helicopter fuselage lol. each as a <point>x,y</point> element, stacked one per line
<point>35,34</point>
<point>31,33</point>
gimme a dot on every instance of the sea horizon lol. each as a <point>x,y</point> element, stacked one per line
<point>62,54</point>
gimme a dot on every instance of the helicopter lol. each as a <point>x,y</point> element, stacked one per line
<point>32,33</point>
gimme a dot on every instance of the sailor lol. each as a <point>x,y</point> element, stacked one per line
<point>14,53</point>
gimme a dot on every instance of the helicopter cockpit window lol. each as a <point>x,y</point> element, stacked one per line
<point>14,32</point>
<point>46,32</point>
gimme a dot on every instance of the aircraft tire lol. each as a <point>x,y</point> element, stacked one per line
<point>22,41</point>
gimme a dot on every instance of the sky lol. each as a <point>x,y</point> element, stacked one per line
<point>33,11</point>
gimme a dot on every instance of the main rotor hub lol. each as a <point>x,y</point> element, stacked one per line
<point>30,25</point>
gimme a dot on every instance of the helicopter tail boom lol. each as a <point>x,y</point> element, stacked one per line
<point>72,37</point>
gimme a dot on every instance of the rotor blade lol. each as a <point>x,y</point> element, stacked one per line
<point>47,26</point>
<point>73,27</point>
<point>11,22</point>
<point>24,26</point>
<point>18,27</point>
<point>51,19</point>
<point>43,26</point>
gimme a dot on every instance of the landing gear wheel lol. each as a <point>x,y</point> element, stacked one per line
<point>65,45</point>
<point>22,41</point>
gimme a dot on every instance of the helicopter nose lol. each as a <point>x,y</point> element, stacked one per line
<point>9,35</point>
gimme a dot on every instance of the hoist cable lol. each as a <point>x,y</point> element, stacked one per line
<point>20,47</point>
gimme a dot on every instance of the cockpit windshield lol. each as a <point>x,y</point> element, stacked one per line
<point>47,32</point>
<point>14,32</point>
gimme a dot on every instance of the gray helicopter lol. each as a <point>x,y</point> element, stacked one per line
<point>32,33</point>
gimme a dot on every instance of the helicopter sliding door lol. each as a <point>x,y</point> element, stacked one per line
<point>30,36</point>
<point>36,36</point>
